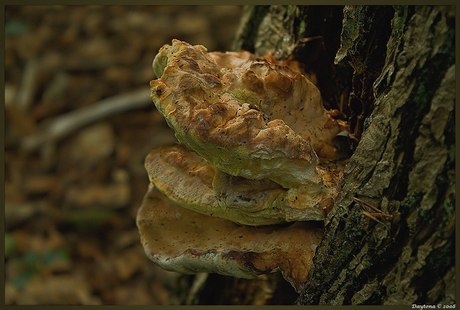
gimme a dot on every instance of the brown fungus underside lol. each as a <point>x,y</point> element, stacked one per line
<point>255,138</point>
<point>181,240</point>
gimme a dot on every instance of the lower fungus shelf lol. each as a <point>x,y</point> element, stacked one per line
<point>217,245</point>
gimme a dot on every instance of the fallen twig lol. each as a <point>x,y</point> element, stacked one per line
<point>26,93</point>
<point>65,124</point>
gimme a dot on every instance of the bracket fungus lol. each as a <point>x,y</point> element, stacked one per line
<point>258,120</point>
<point>194,183</point>
<point>181,240</point>
<point>244,192</point>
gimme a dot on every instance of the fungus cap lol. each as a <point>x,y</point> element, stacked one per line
<point>181,240</point>
<point>192,182</point>
<point>247,116</point>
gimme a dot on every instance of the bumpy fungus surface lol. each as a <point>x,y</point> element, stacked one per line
<point>248,117</point>
<point>254,135</point>
<point>194,183</point>
<point>188,242</point>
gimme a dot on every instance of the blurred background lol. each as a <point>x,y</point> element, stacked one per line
<point>78,125</point>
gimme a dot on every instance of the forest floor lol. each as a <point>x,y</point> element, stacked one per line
<point>72,193</point>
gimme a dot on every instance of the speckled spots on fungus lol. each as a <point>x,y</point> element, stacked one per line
<point>254,141</point>
<point>192,182</point>
<point>253,134</point>
<point>195,242</point>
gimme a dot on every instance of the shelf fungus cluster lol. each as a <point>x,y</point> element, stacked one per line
<point>245,191</point>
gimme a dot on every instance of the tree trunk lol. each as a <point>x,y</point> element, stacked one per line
<point>391,71</point>
<point>404,165</point>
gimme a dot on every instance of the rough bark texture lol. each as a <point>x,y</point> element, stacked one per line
<point>404,165</point>
<point>391,71</point>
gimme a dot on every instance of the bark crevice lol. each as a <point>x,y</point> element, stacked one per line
<point>402,166</point>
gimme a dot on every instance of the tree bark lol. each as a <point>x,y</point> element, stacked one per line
<point>404,165</point>
<point>396,67</point>
<point>391,71</point>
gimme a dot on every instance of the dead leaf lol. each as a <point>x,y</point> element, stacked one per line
<point>58,290</point>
